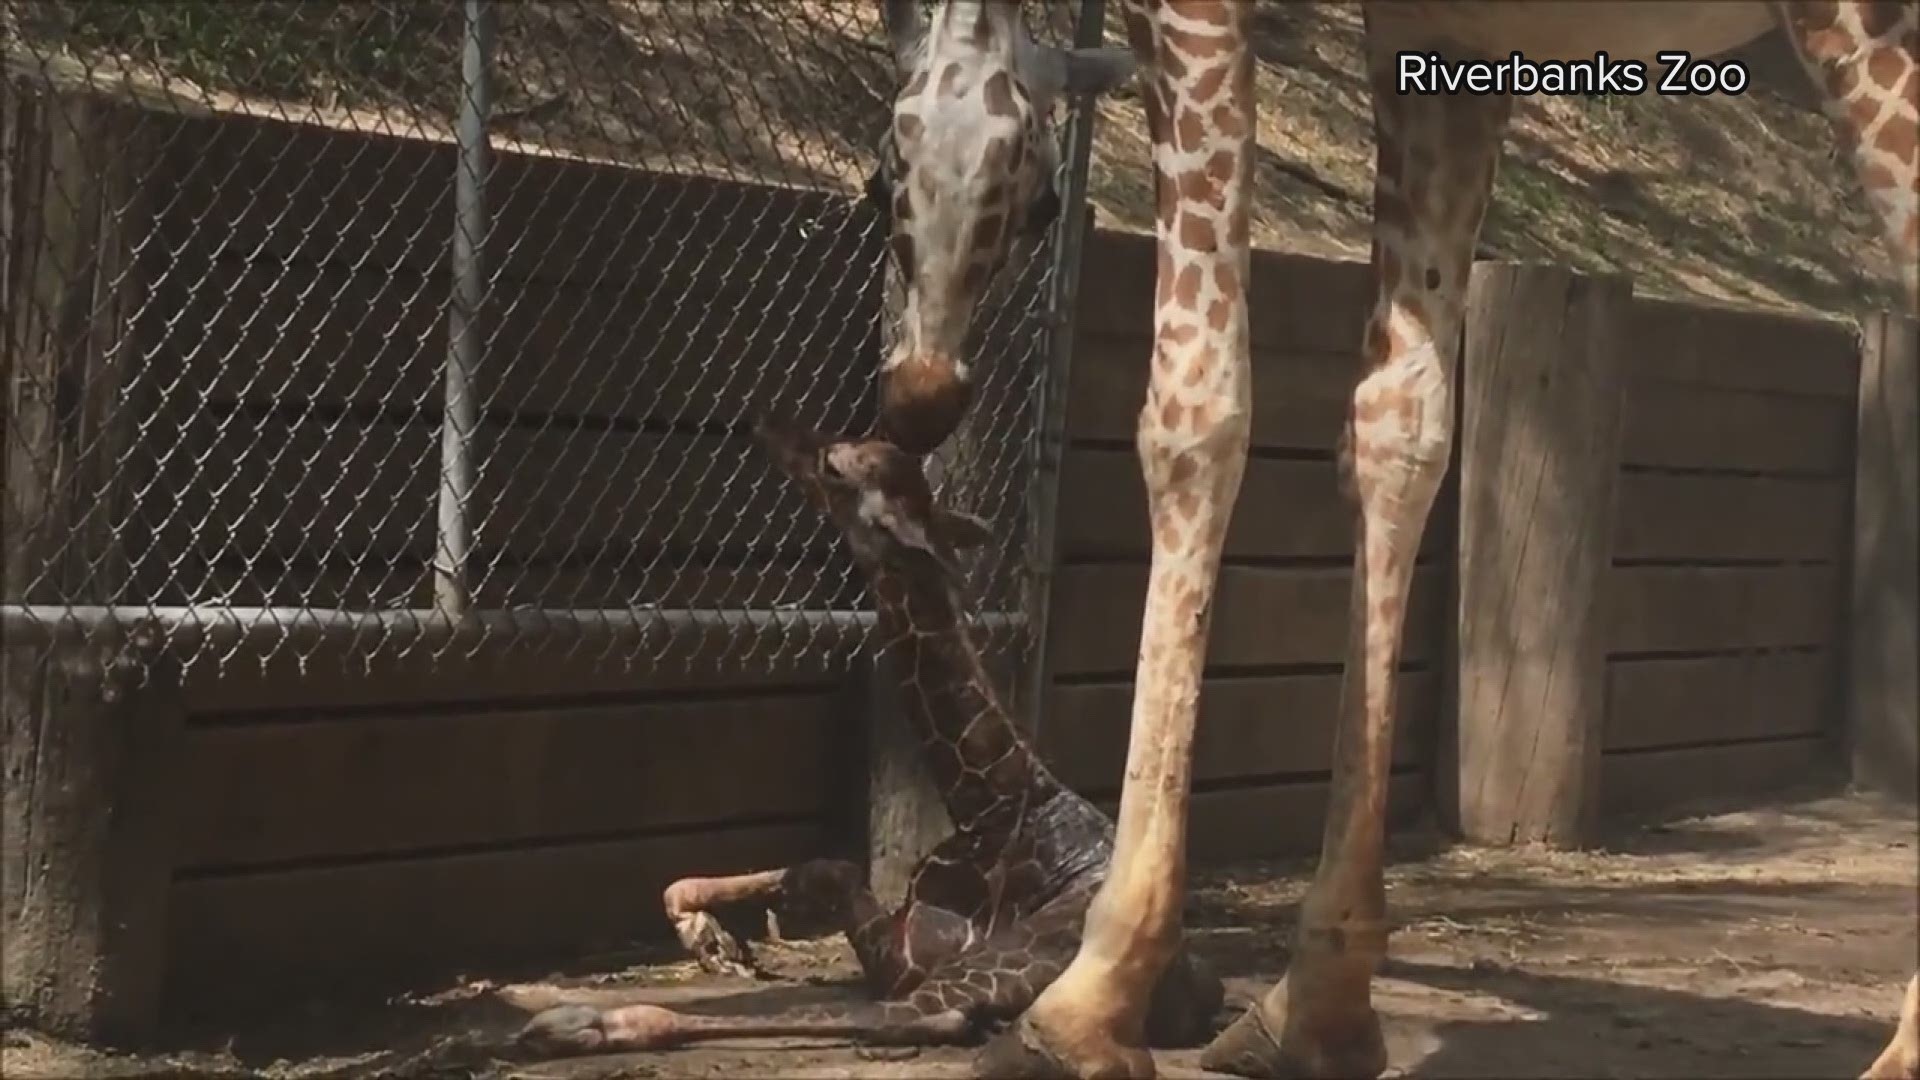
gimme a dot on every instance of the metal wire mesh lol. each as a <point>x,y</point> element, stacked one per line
<point>292,362</point>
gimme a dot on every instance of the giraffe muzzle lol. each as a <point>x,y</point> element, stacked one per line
<point>922,401</point>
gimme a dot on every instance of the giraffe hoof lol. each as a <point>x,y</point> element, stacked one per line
<point>1024,1052</point>
<point>563,1031</point>
<point>1248,1047</point>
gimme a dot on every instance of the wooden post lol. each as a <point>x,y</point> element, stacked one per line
<point>1539,454</point>
<point>88,751</point>
<point>1883,720</point>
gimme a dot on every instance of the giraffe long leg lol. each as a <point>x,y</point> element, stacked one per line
<point>1192,444</point>
<point>1864,58</point>
<point>1436,160</point>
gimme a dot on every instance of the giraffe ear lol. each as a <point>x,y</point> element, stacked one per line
<point>961,531</point>
<point>1090,71</point>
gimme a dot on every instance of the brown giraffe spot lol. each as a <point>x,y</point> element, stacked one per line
<point>1433,278</point>
<point>1017,156</point>
<point>998,95</point>
<point>995,158</point>
<point>1879,17</point>
<point>1877,177</point>
<point>1196,233</point>
<point>950,80</point>
<point>907,128</point>
<point>975,280</point>
<point>1226,278</point>
<point>903,251</point>
<point>1220,315</point>
<point>902,206</point>
<point>915,84</point>
<point>1899,138</point>
<point>1886,67</point>
<point>1186,288</point>
<point>1189,131</point>
<point>1211,14</point>
<point>987,233</point>
<point>1207,86</point>
<point>1179,335</point>
<point>1171,413</point>
<point>1181,470</point>
<point>1222,166</point>
<point>1229,119</point>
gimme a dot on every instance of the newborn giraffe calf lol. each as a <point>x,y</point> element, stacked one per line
<point>994,913</point>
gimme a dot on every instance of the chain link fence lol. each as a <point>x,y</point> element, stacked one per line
<point>423,325</point>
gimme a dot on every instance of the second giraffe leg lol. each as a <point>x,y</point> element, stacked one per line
<point>1436,161</point>
<point>1192,442</point>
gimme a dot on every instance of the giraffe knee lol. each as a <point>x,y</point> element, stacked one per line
<point>1399,435</point>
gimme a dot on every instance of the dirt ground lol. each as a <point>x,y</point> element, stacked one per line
<point>1763,943</point>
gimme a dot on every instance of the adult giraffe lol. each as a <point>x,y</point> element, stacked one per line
<point>968,166</point>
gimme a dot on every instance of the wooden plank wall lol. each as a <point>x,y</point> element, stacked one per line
<point>424,814</point>
<point>1729,566</point>
<point>1280,620</point>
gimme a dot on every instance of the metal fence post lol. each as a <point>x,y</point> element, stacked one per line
<point>455,540</point>
<point>1043,492</point>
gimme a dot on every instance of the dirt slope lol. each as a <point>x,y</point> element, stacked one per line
<point>1735,199</point>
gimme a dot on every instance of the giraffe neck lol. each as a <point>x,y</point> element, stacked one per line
<point>980,763</point>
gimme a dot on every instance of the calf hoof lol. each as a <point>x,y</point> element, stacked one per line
<point>1249,1047</point>
<point>713,947</point>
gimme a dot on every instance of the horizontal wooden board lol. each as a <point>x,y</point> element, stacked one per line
<point>316,488</point>
<point>1261,616</point>
<point>1297,302</point>
<point>1277,820</point>
<point>612,579</point>
<point>1249,727</point>
<point>374,922</point>
<point>1681,609</point>
<point>1702,517</point>
<point>1697,778</point>
<point>264,332</point>
<point>275,675</point>
<point>382,783</point>
<point>257,188</point>
<point>1691,344</point>
<point>1286,509</point>
<point>1300,399</point>
<point>1685,700</point>
<point>1697,427</point>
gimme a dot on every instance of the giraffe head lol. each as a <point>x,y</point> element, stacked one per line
<point>966,168</point>
<point>878,496</point>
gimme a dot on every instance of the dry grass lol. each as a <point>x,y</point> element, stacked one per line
<point>1741,200</point>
